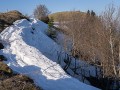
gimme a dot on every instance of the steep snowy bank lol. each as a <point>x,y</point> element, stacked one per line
<point>29,51</point>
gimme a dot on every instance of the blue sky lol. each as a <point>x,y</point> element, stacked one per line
<point>27,6</point>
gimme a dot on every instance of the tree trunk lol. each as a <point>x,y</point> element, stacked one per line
<point>119,61</point>
<point>112,52</point>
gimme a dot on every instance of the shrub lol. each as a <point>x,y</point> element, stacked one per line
<point>51,33</point>
<point>44,19</point>
<point>50,23</point>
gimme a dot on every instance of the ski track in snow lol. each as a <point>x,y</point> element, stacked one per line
<point>32,53</point>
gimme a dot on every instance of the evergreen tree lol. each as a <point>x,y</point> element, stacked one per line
<point>93,13</point>
<point>88,13</point>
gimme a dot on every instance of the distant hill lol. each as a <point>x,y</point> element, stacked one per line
<point>65,14</point>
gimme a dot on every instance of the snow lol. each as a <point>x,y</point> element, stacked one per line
<point>30,52</point>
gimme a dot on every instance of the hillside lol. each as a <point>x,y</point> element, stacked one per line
<point>29,51</point>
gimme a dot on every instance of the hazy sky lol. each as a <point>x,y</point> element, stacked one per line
<point>27,6</point>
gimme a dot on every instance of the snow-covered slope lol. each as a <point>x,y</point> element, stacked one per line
<point>29,51</point>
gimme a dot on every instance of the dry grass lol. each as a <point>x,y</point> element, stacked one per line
<point>11,16</point>
<point>95,39</point>
<point>7,19</point>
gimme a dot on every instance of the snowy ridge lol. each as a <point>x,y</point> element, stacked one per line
<point>29,51</point>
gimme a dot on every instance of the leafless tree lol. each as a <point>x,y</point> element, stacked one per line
<point>111,21</point>
<point>41,12</point>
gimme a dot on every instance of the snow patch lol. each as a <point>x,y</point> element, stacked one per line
<point>30,52</point>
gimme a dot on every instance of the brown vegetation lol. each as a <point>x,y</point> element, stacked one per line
<point>95,39</point>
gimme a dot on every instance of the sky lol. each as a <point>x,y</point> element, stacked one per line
<point>28,6</point>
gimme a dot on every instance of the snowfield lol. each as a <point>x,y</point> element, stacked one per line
<point>31,52</point>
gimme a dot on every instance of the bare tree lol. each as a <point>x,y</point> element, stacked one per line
<point>96,39</point>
